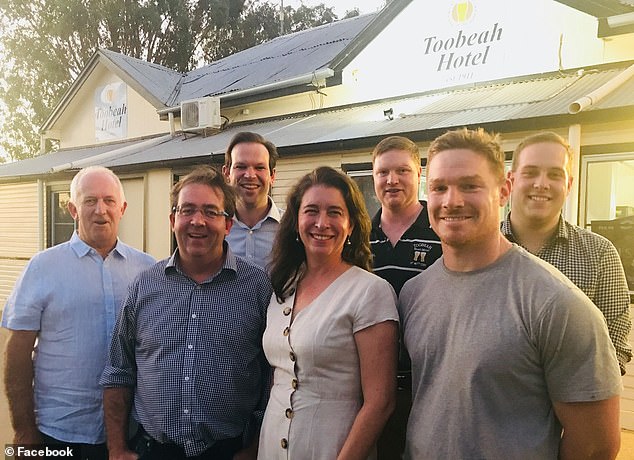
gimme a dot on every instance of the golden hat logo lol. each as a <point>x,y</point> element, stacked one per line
<point>462,11</point>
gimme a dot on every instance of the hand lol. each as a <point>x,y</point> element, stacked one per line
<point>246,454</point>
<point>27,436</point>
<point>123,455</point>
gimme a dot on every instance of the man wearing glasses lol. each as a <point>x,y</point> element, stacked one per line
<point>187,345</point>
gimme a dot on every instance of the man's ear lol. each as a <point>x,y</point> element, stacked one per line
<point>172,219</point>
<point>505,191</point>
<point>72,209</point>
<point>228,225</point>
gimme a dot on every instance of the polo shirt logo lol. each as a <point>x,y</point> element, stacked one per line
<point>419,253</point>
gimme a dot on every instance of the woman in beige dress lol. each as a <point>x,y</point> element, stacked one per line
<point>332,328</point>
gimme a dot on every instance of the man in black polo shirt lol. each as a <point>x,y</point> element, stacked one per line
<point>403,245</point>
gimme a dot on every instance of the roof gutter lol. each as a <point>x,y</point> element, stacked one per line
<point>602,91</point>
<point>112,153</point>
<point>317,75</point>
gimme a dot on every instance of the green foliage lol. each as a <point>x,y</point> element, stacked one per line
<point>260,22</point>
<point>44,45</point>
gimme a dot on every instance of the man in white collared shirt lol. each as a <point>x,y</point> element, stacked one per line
<point>250,168</point>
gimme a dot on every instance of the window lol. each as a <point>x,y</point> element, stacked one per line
<point>608,203</point>
<point>60,225</point>
<point>366,184</point>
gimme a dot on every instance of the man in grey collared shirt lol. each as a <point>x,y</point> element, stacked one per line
<point>250,168</point>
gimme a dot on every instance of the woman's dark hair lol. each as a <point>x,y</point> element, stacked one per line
<point>288,255</point>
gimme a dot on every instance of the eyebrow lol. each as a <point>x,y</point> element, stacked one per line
<point>207,205</point>
<point>476,177</point>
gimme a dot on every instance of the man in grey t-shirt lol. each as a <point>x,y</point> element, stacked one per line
<point>509,359</point>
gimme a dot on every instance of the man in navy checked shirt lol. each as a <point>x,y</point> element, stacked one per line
<point>541,176</point>
<point>188,342</point>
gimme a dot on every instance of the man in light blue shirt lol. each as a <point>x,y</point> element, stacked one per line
<point>67,298</point>
<point>250,168</point>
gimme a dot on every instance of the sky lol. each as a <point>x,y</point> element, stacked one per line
<point>340,6</point>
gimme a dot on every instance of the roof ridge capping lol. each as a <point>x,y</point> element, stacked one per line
<point>110,54</point>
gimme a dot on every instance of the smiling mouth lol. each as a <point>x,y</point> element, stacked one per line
<point>321,237</point>
<point>455,218</point>
<point>250,186</point>
<point>539,198</point>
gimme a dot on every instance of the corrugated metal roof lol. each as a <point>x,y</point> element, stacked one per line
<point>45,163</point>
<point>278,60</point>
<point>159,81</point>
<point>282,58</point>
<point>496,102</point>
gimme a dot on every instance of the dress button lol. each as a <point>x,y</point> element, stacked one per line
<point>287,311</point>
<point>292,356</point>
<point>294,384</point>
<point>289,413</point>
<point>284,443</point>
<point>287,331</point>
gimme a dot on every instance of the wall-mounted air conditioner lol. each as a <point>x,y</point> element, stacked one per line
<point>198,114</point>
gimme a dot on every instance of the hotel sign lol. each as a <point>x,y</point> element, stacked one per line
<point>111,112</point>
<point>463,50</point>
<point>437,44</point>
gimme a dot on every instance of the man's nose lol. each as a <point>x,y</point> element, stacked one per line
<point>453,198</point>
<point>541,181</point>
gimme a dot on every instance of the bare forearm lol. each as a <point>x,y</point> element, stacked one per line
<point>18,380</point>
<point>365,431</point>
<point>591,429</point>
<point>117,402</point>
<point>572,449</point>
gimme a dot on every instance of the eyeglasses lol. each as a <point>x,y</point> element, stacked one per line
<point>207,212</point>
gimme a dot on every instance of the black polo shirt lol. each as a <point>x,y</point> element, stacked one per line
<point>417,249</point>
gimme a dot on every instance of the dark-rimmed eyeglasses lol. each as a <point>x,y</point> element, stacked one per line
<point>207,212</point>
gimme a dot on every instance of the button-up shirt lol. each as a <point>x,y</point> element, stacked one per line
<point>255,243</point>
<point>193,352</point>
<point>592,263</point>
<point>71,295</point>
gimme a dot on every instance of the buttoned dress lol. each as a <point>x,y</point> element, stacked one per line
<point>316,391</point>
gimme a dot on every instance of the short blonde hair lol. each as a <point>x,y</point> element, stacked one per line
<point>477,140</point>
<point>397,143</point>
<point>545,136</point>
